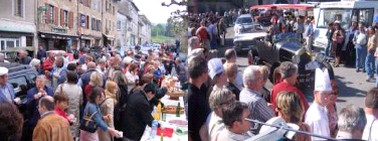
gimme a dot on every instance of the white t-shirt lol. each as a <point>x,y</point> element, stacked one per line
<point>371,129</point>
<point>131,80</point>
<point>317,119</point>
<point>361,39</point>
<point>214,125</point>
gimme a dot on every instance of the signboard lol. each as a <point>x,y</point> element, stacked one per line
<point>58,30</point>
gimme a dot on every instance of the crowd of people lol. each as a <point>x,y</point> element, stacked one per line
<point>88,98</point>
<point>220,98</point>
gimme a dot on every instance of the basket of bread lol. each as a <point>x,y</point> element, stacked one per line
<point>170,109</point>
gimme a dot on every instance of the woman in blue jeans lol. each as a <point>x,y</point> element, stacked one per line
<point>360,40</point>
<point>370,59</point>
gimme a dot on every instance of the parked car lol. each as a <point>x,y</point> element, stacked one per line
<point>243,21</point>
<point>244,40</point>
<point>22,78</point>
<point>284,47</point>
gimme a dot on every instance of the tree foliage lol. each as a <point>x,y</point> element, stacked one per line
<point>157,30</point>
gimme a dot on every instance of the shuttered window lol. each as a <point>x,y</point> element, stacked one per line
<point>47,14</point>
<point>19,8</point>
<point>51,15</point>
<point>65,18</point>
<point>61,17</point>
<point>56,16</point>
<point>87,22</point>
<point>70,19</point>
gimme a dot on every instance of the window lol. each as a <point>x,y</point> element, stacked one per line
<point>9,43</point>
<point>87,22</point>
<point>364,16</point>
<point>29,41</point>
<point>106,5</point>
<point>331,15</point>
<point>98,25</point>
<point>65,18</point>
<point>93,23</point>
<point>51,12</point>
<point>19,8</point>
<point>83,20</point>
<point>119,24</point>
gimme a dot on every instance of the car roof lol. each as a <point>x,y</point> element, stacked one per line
<point>17,69</point>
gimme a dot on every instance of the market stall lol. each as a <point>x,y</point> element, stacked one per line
<point>173,122</point>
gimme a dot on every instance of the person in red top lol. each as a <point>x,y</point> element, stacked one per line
<point>203,35</point>
<point>289,74</point>
<point>61,104</point>
<point>48,64</point>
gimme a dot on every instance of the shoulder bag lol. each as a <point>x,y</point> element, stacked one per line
<point>87,123</point>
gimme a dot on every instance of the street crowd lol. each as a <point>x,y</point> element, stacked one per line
<point>88,98</point>
<point>220,98</point>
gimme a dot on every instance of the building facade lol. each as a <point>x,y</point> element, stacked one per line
<point>109,19</point>
<point>17,24</point>
<point>133,24</point>
<point>144,30</point>
<point>121,30</point>
<point>90,23</point>
<point>57,24</point>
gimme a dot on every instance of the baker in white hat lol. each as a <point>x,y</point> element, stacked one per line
<point>6,89</point>
<point>216,73</point>
<point>317,114</point>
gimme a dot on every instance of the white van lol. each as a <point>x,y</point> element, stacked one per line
<point>344,11</point>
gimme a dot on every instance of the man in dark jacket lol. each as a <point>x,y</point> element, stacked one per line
<point>33,96</point>
<point>23,58</point>
<point>138,112</point>
<point>41,54</point>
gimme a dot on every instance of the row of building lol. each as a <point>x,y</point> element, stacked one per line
<point>64,24</point>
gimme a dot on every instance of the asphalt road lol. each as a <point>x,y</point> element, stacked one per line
<point>352,85</point>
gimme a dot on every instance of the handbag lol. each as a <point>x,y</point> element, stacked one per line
<point>88,124</point>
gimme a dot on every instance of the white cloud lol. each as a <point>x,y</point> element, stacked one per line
<point>154,11</point>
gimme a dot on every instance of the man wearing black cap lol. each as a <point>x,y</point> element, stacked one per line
<point>138,112</point>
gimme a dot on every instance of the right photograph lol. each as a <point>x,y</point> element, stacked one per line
<point>282,70</point>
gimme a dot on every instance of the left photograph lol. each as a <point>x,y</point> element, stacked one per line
<point>93,70</point>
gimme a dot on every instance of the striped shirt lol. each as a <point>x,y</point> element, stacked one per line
<point>256,104</point>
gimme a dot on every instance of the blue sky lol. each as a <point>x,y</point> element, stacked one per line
<point>154,11</point>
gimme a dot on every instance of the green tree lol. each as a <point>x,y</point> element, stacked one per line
<point>157,30</point>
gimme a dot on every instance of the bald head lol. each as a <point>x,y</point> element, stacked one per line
<point>46,103</point>
<point>91,65</point>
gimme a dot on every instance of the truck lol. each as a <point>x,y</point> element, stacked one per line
<point>344,11</point>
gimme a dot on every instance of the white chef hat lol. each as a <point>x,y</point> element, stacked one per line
<point>127,60</point>
<point>215,66</point>
<point>268,133</point>
<point>322,80</point>
<point>3,71</point>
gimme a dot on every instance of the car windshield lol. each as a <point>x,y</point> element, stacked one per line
<point>244,20</point>
<point>252,29</point>
<point>330,15</point>
<point>286,36</point>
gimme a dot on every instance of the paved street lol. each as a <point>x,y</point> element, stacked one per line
<point>352,85</point>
